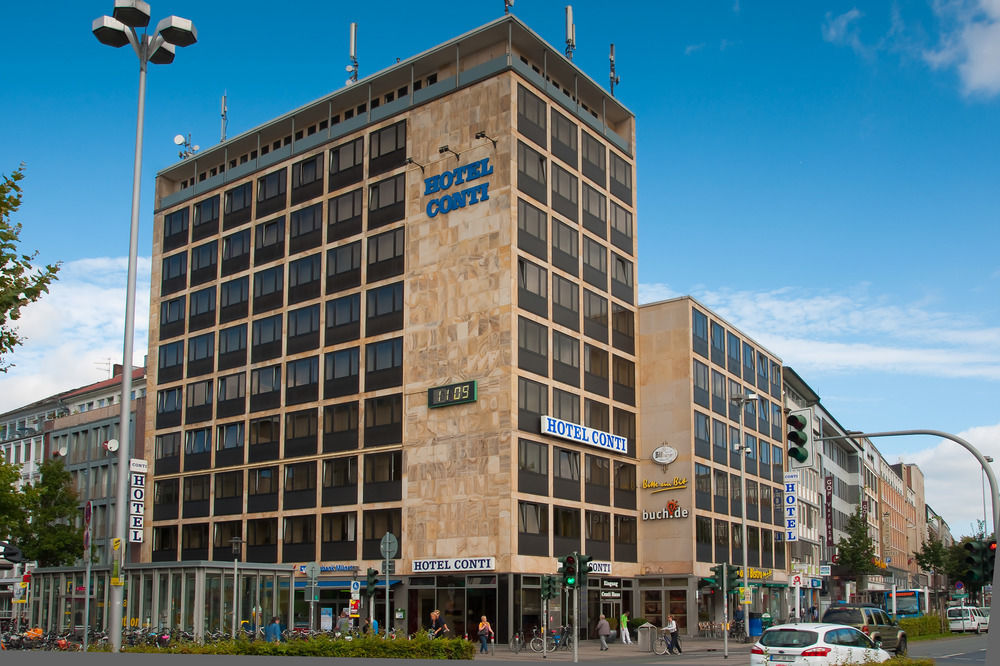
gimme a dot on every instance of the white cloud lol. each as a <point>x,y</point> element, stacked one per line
<point>77,326</point>
<point>970,42</point>
<point>843,29</point>
<point>953,484</point>
<point>693,48</point>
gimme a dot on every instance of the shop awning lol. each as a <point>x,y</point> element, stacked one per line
<point>299,584</point>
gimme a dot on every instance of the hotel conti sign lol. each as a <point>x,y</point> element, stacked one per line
<point>455,564</point>
<point>467,196</point>
<point>583,435</point>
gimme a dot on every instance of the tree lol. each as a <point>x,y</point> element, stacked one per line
<point>51,539</point>
<point>12,511</point>
<point>856,553</point>
<point>931,556</point>
<point>21,283</point>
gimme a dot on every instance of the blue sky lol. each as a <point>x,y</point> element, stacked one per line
<point>824,175</point>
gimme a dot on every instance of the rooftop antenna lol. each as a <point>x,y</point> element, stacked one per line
<point>353,67</point>
<point>188,150</point>
<point>570,32</point>
<point>614,77</point>
<point>507,4</point>
<point>225,115</point>
<point>105,365</point>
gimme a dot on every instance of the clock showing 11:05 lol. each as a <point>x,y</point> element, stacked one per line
<point>453,394</point>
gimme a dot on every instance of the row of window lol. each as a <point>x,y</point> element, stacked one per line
<point>339,424</point>
<point>292,332</point>
<point>337,532</point>
<point>567,526</point>
<point>721,397</point>
<point>723,542</point>
<point>578,149</point>
<point>720,444</point>
<point>720,491</point>
<point>726,350</point>
<point>384,258</point>
<point>258,489</point>
<point>598,472</point>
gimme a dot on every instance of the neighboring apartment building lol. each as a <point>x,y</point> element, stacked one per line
<point>894,516</point>
<point>693,365</point>
<point>407,308</point>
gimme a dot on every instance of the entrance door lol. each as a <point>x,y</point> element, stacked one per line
<point>612,610</point>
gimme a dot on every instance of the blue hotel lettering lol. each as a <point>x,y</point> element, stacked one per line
<point>467,197</point>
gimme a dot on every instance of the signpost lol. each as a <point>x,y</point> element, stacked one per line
<point>389,546</point>
<point>88,512</point>
<point>312,571</point>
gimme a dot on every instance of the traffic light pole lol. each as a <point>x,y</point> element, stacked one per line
<point>725,612</point>
<point>993,639</point>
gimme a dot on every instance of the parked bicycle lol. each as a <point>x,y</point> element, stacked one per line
<point>516,643</point>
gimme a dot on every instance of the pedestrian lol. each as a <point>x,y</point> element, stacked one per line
<point>485,634</point>
<point>623,624</point>
<point>438,626</point>
<point>273,632</point>
<point>675,640</point>
<point>343,623</point>
<point>603,630</point>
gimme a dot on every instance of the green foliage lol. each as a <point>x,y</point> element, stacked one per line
<point>50,538</point>
<point>21,283</point>
<point>856,553</point>
<point>931,556</point>
<point>921,626</point>
<point>367,647</point>
<point>12,510</point>
<point>910,661</point>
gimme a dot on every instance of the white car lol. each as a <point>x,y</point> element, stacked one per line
<point>815,644</point>
<point>967,618</point>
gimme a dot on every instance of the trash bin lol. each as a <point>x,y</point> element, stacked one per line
<point>645,635</point>
<point>755,628</point>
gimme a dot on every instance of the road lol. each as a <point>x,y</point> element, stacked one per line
<point>964,650</point>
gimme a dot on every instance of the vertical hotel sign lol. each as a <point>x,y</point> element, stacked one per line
<point>828,508</point>
<point>791,508</point>
<point>136,499</point>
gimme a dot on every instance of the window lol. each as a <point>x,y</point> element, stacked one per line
<point>268,289</point>
<point>532,346</point>
<point>565,405</point>
<point>168,407</point>
<point>621,228</point>
<point>384,420</point>
<point>718,393</point>
<point>301,380</point>
<point>595,212</point>
<point>623,379</point>
<point>566,362</point>
<point>594,161</point>
<point>733,353</point>
<point>265,339</point>
<point>168,445</point>
<point>531,168</point>
<point>340,474</point>
<point>532,404</point>
<point>236,252</point>
<point>621,179</point>
<point>305,228</point>
<point>343,319</point>
<point>307,179</point>
<point>532,287</point>
<point>384,364</point>
<point>598,475</point>
<point>595,263</point>
<point>702,486</point>
<point>300,476</point>
<point>201,354</point>
<point>174,274</point>
<point>206,218</point>
<point>237,205</point>
<point>203,262</point>
<point>385,255</point>
<point>621,278</point>
<point>702,445</point>
<point>703,539</point>
<point>565,527</point>
<point>531,116</point>
<point>202,309</point>
<point>386,201</point>
<point>271,192</point>
<point>532,232</point>
<point>303,329</point>
<point>171,361</point>
<point>748,362</point>
<point>384,467</point>
<point>565,193</point>
<point>343,267</point>
<point>624,425</point>
<point>595,316</point>
<point>565,302</point>
<point>304,278</point>
<point>197,441</point>
<point>269,241</point>
<point>565,247</point>
<point>622,328</point>
<point>265,388</point>
<point>344,216</point>
<point>340,373</point>
<point>532,528</point>
<point>564,138</point>
<point>700,374</point>
<point>347,163</point>
<point>533,457</point>
<point>233,298</point>
<point>265,435</point>
<point>175,229</point>
<point>384,309</point>
<point>387,148</point>
<point>199,401</point>
<point>172,317</point>
<point>196,488</point>
<point>230,436</point>
<point>232,387</point>
<point>340,427</point>
<point>626,534</point>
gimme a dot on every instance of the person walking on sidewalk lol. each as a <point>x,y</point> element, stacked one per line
<point>603,630</point>
<point>675,639</point>
<point>485,634</point>
<point>623,627</point>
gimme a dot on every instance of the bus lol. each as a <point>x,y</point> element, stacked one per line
<point>909,603</point>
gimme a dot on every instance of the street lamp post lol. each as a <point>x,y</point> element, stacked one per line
<point>237,543</point>
<point>743,399</point>
<point>157,48</point>
<point>982,475</point>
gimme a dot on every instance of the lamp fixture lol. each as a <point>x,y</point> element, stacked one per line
<point>482,135</point>
<point>445,149</point>
<point>410,160</point>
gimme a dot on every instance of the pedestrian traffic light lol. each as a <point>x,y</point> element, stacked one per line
<point>568,570</point>
<point>582,569</point>
<point>975,561</point>
<point>798,433</point>
<point>371,583</point>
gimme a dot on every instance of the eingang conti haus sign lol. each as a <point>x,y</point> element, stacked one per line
<point>583,435</point>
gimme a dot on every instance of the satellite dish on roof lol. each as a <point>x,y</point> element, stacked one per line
<point>63,450</point>
<point>179,140</point>
<point>111,445</point>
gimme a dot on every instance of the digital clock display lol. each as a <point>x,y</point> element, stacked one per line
<point>453,394</point>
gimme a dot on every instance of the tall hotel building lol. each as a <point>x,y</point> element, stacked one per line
<point>407,307</point>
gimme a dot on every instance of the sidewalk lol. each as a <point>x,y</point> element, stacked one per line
<point>590,650</point>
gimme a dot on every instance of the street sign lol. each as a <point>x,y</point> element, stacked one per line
<point>745,595</point>
<point>355,587</point>
<point>355,608</point>
<point>312,570</point>
<point>796,581</point>
<point>389,545</point>
<point>824,570</point>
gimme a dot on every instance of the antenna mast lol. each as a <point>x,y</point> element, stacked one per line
<point>225,117</point>
<point>570,32</point>
<point>614,77</point>
<point>507,4</point>
<point>353,67</point>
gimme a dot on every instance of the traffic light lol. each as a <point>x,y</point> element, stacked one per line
<point>583,568</point>
<point>975,561</point>
<point>733,578</point>
<point>11,553</point>
<point>568,570</point>
<point>550,588</point>
<point>989,560</point>
<point>371,583</point>
<point>799,429</point>
<point>718,576</point>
